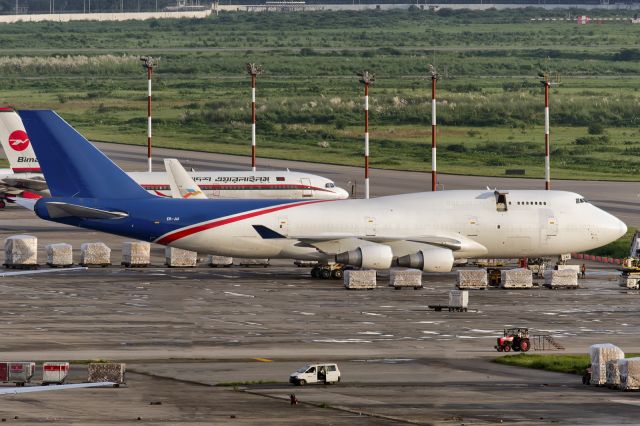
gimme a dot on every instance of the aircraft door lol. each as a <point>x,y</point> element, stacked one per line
<point>549,226</point>
<point>471,228</point>
<point>215,193</point>
<point>283,225</point>
<point>370,227</point>
<point>306,190</point>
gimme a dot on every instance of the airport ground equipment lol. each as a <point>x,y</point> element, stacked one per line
<point>54,372</point>
<point>220,261</point>
<point>360,279</point>
<point>458,302</point>
<point>494,276</point>
<point>249,262</point>
<point>107,372</point>
<point>399,278</point>
<point>21,252</point>
<point>326,373</point>
<point>305,263</point>
<point>629,278</point>
<point>629,369</point>
<point>19,373</point>
<point>472,279</point>
<point>537,266</point>
<point>60,255</point>
<point>331,271</point>
<point>179,258</point>
<point>516,339</point>
<point>613,374</point>
<point>95,254</point>
<point>136,254</point>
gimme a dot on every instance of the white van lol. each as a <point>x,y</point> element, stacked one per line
<point>316,373</point>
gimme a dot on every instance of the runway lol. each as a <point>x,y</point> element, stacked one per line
<point>621,199</point>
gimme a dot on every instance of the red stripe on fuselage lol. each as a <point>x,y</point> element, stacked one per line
<point>181,233</point>
<point>26,169</point>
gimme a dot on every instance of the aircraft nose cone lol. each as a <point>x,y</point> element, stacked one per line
<point>613,228</point>
<point>342,194</point>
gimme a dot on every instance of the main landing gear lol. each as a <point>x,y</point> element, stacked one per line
<point>326,272</point>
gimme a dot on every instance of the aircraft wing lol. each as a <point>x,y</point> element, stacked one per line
<point>339,243</point>
<point>35,184</point>
<point>29,389</point>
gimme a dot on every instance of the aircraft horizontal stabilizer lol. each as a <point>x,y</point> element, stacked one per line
<point>33,184</point>
<point>58,209</point>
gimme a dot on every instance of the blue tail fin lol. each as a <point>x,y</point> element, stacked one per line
<point>71,165</point>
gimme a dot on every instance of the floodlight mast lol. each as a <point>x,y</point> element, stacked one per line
<point>434,175</point>
<point>149,63</point>
<point>254,70</point>
<point>366,78</point>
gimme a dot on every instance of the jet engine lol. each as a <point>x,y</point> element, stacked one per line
<point>376,256</point>
<point>429,259</point>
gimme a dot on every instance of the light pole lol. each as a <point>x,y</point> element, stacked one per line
<point>366,78</point>
<point>434,176</point>
<point>149,63</point>
<point>254,70</point>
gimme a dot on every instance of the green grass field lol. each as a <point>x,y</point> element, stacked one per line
<point>490,109</point>
<point>571,364</point>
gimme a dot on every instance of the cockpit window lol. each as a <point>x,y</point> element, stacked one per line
<point>581,200</point>
<point>329,185</point>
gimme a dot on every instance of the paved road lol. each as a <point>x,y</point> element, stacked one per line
<point>619,198</point>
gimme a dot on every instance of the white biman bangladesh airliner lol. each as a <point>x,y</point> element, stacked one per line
<point>25,175</point>
<point>422,230</point>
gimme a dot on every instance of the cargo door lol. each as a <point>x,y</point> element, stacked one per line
<point>471,227</point>
<point>549,226</point>
<point>307,192</point>
<point>370,227</point>
<point>283,225</point>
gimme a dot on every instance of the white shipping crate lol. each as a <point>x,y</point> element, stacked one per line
<point>21,372</point>
<point>107,372</point>
<point>245,261</point>
<point>516,278</point>
<point>60,254</point>
<point>220,261</point>
<point>566,278</point>
<point>136,253</point>
<point>458,299</point>
<point>21,250</point>
<point>360,280</point>
<point>399,278</point>
<point>629,373</point>
<point>600,354</point>
<point>569,267</point>
<point>95,254</point>
<point>54,372</point>
<point>472,279</point>
<point>178,258</point>
<point>613,373</point>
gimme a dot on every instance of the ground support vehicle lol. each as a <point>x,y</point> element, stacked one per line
<point>325,373</point>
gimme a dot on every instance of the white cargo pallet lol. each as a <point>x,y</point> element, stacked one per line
<point>566,278</point>
<point>60,255</point>
<point>136,254</point>
<point>178,258</point>
<point>21,251</point>
<point>399,278</point>
<point>54,372</point>
<point>458,299</point>
<point>95,254</point>
<point>360,280</point>
<point>472,279</point>
<point>219,261</point>
<point>516,278</point>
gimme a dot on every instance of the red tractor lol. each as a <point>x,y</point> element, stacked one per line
<point>514,338</point>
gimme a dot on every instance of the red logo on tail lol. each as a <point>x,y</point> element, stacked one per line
<point>18,140</point>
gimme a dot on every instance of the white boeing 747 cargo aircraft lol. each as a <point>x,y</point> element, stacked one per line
<point>422,230</point>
